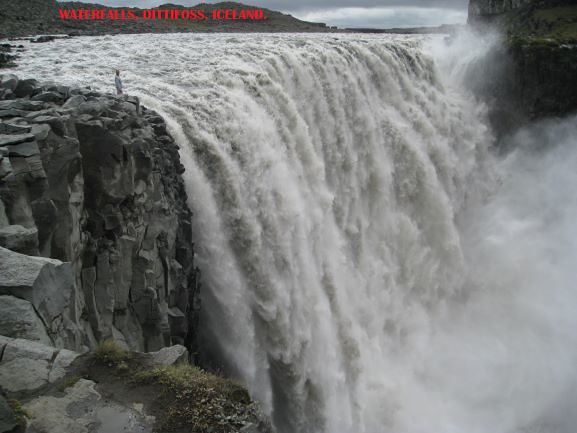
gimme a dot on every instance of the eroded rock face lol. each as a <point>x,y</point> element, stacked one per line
<point>93,182</point>
<point>486,9</point>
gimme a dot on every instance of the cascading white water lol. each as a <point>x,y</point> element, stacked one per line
<point>354,276</point>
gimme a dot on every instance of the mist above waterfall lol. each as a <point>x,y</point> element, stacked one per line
<point>369,265</point>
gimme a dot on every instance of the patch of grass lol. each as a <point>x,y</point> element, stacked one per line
<point>202,401</point>
<point>110,352</point>
<point>557,24</point>
<point>69,381</point>
<point>18,410</point>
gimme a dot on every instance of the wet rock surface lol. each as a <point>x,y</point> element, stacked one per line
<point>91,184</point>
<point>530,74</point>
<point>84,410</point>
<point>48,390</point>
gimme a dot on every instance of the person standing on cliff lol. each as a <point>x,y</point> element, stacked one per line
<point>118,83</point>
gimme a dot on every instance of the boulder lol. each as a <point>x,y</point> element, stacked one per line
<point>49,286</point>
<point>166,356</point>
<point>19,320</point>
<point>26,88</point>
<point>74,101</point>
<point>27,366</point>
<point>8,81</point>
<point>19,239</point>
<point>21,104</point>
<point>10,128</point>
<point>48,97</point>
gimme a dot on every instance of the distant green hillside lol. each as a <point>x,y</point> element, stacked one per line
<point>32,17</point>
<point>555,24</point>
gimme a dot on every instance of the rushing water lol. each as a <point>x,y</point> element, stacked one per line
<point>368,265</point>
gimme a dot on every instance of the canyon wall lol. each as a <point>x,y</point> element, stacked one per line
<point>94,226</point>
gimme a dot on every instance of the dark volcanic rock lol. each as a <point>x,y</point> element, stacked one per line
<point>6,58</point>
<point>88,180</point>
<point>531,74</point>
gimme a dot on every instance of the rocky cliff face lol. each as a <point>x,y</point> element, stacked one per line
<point>531,75</point>
<point>487,9</point>
<point>94,223</point>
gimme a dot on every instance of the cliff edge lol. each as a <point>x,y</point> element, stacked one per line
<point>95,235</point>
<point>531,75</point>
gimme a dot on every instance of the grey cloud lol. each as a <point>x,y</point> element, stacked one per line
<point>386,17</point>
<point>305,4</point>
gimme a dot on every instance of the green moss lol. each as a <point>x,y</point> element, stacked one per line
<point>109,351</point>
<point>18,410</point>
<point>68,382</point>
<point>202,401</point>
<point>543,26</point>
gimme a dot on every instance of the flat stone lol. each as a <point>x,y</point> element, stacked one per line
<point>82,410</point>
<point>29,148</point>
<point>6,140</point>
<point>11,113</point>
<point>11,128</point>
<point>48,97</point>
<point>166,356</point>
<point>61,363</point>
<point>27,366</point>
<point>22,104</point>
<point>74,101</point>
<point>40,131</point>
<point>19,239</point>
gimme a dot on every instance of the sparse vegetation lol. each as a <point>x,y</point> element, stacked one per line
<point>110,352</point>
<point>18,409</point>
<point>69,381</point>
<point>201,401</point>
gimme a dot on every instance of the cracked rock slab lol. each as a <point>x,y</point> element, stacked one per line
<point>26,366</point>
<point>83,410</point>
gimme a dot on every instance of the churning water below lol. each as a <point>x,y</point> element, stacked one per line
<point>369,266</point>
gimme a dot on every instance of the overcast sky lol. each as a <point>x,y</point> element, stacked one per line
<point>347,13</point>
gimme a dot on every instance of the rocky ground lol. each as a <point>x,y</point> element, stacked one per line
<point>49,390</point>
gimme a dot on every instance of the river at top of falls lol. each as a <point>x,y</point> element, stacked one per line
<point>368,265</point>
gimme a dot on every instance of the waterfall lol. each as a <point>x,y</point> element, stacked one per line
<point>362,269</point>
